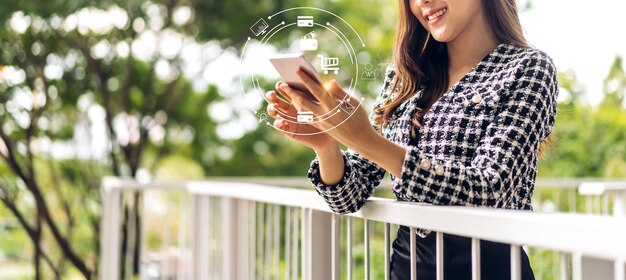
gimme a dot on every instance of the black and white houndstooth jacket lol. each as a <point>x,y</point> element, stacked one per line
<point>479,142</point>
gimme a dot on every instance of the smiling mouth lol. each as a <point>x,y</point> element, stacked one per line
<point>437,14</point>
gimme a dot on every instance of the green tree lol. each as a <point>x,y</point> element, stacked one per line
<point>590,140</point>
<point>88,65</point>
<point>615,84</point>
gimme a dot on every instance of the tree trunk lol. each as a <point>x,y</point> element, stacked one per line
<point>37,241</point>
<point>37,248</point>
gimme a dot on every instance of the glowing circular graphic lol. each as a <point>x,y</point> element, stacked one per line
<point>323,43</point>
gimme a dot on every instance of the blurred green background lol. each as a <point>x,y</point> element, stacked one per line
<point>150,89</point>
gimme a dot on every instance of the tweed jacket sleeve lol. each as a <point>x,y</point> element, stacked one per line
<point>510,144</point>
<point>361,175</point>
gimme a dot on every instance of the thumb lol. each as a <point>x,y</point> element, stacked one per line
<point>336,91</point>
<point>339,94</point>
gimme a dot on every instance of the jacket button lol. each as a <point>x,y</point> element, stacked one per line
<point>476,98</point>
<point>439,169</point>
<point>425,164</point>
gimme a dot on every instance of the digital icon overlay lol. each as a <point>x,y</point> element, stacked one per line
<point>328,64</point>
<point>309,42</point>
<point>259,27</point>
<point>330,42</point>
<point>368,73</point>
<point>305,21</point>
<point>305,117</point>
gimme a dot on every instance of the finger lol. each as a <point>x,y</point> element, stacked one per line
<point>279,89</point>
<point>336,91</point>
<point>272,98</point>
<point>297,98</point>
<point>275,112</point>
<point>312,84</point>
<point>280,124</point>
<point>284,127</point>
<point>272,112</point>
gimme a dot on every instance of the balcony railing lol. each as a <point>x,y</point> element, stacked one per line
<point>251,230</point>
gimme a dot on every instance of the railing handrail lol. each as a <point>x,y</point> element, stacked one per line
<point>601,187</point>
<point>561,183</point>
<point>506,226</point>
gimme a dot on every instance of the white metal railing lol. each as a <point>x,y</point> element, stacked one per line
<point>242,230</point>
<point>605,189</point>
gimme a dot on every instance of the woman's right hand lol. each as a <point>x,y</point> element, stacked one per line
<point>306,134</point>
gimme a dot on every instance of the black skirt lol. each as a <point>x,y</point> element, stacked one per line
<point>495,258</point>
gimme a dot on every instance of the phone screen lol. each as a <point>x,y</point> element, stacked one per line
<point>288,64</point>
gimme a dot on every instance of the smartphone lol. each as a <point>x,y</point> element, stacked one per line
<point>288,64</point>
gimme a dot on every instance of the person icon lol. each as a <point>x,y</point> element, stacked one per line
<point>369,73</point>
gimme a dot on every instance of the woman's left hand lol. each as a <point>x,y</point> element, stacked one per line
<point>339,113</point>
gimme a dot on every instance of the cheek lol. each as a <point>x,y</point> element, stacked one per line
<point>466,11</point>
<point>415,11</point>
<point>424,24</point>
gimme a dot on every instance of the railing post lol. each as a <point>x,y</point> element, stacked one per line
<point>230,243</point>
<point>577,267</point>
<point>110,230</point>
<point>295,244</point>
<point>200,237</point>
<point>565,264</point>
<point>476,259</point>
<point>439,257</point>
<point>336,254</point>
<point>349,247</point>
<point>413,247</point>
<point>516,264</point>
<point>619,204</point>
<point>618,269</point>
<point>366,245</point>
<point>305,238</point>
<point>317,258</point>
<point>244,237</point>
<point>387,251</point>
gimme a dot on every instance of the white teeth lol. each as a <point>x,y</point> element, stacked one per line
<point>437,14</point>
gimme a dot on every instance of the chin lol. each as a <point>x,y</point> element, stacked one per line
<point>441,38</point>
<point>441,34</point>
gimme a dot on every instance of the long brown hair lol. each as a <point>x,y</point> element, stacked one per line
<point>421,60</point>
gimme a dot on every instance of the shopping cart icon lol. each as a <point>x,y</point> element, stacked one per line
<point>329,64</point>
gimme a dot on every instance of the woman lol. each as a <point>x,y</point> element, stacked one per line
<point>460,120</point>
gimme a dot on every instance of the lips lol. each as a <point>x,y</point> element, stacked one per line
<point>434,14</point>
